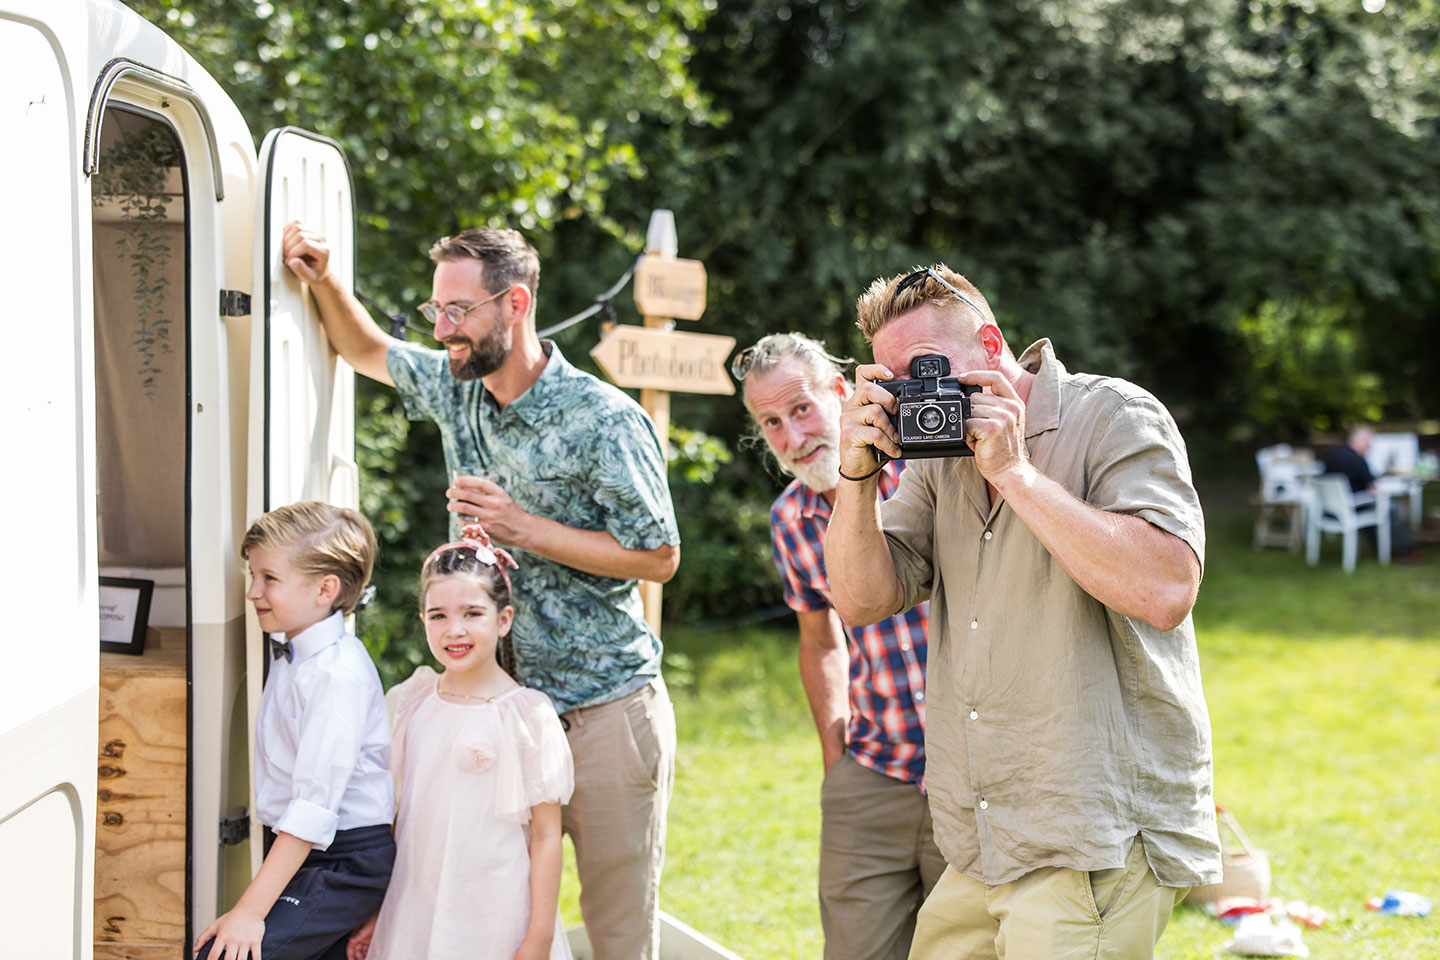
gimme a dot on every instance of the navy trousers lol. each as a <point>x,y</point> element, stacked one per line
<point>334,891</point>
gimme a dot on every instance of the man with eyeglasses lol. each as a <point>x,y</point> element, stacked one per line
<point>1067,737</point>
<point>568,472</point>
<point>878,857</point>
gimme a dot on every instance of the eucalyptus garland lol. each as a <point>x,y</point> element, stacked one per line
<point>132,173</point>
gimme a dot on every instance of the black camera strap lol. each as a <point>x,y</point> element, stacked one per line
<point>859,479</point>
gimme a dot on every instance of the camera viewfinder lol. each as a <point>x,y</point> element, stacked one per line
<point>930,367</point>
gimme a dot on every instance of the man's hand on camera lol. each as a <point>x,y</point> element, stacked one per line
<point>486,503</point>
<point>996,426</point>
<point>865,424</point>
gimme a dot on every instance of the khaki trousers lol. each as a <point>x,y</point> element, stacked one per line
<point>878,860</point>
<point>1052,913</point>
<point>624,774</point>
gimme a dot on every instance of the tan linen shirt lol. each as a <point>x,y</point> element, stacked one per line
<point>1057,730</point>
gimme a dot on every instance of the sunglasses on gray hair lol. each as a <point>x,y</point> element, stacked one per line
<point>778,346</point>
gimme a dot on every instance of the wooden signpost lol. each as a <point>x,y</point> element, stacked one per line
<point>665,360</point>
<point>666,287</point>
<point>655,357</point>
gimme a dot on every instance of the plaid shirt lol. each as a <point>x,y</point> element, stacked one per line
<point>887,660</point>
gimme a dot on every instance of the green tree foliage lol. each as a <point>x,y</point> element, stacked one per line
<point>456,114</point>
<point>1131,179</point>
<point>1234,202</point>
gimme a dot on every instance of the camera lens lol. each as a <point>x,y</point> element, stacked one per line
<point>930,418</point>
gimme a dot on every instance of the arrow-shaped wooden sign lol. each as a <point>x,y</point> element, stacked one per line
<point>665,360</point>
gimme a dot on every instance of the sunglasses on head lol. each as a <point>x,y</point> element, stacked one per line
<point>927,273</point>
<point>767,346</point>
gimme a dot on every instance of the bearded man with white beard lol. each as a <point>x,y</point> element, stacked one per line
<point>878,858</point>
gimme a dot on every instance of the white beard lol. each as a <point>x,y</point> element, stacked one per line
<point>821,474</point>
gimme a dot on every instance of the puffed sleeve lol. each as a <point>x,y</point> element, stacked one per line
<point>400,702</point>
<point>533,763</point>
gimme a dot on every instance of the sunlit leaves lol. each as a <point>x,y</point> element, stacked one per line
<point>454,113</point>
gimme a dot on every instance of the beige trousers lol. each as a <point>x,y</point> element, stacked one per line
<point>1052,913</point>
<point>878,860</point>
<point>624,773</point>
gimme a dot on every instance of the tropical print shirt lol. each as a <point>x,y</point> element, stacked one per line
<point>887,659</point>
<point>580,452</point>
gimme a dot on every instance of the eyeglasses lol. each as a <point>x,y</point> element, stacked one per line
<point>920,276</point>
<point>455,313</point>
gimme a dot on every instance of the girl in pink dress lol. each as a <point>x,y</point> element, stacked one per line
<point>482,767</point>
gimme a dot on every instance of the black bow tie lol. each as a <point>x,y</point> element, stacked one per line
<point>281,648</point>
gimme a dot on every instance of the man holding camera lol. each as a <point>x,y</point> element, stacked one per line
<point>878,858</point>
<point>568,472</point>
<point>1067,738</point>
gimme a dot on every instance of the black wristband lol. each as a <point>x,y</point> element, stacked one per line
<point>866,477</point>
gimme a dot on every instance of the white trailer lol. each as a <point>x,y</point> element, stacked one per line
<point>142,233</point>
<point>192,389</point>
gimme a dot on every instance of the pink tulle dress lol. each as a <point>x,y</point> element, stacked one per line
<point>467,776</point>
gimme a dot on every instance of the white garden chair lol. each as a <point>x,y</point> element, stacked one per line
<point>1332,508</point>
<point>1280,522</point>
<point>1393,459</point>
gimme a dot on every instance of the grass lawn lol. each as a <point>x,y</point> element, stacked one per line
<point>1324,693</point>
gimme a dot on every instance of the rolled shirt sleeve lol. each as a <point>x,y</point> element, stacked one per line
<point>1139,466</point>
<point>628,472</point>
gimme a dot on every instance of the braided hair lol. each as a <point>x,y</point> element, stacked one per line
<point>462,562</point>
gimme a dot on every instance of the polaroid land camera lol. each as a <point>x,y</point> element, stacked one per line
<point>933,409</point>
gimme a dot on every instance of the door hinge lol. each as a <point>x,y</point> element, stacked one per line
<point>234,303</point>
<point>234,830</point>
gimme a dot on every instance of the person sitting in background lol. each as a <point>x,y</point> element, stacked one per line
<point>1348,460</point>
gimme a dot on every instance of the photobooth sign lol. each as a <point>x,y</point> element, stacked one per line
<point>124,614</point>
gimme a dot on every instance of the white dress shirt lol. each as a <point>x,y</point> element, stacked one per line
<point>322,741</point>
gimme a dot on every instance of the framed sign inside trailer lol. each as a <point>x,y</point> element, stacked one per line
<point>124,614</point>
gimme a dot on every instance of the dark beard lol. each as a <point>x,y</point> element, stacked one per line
<point>485,357</point>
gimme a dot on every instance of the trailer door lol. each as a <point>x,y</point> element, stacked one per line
<point>302,395</point>
<point>50,645</point>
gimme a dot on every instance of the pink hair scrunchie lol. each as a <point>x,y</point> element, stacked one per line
<point>474,537</point>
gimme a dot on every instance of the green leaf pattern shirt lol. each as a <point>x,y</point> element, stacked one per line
<point>579,451</point>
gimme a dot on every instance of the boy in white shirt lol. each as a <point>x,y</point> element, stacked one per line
<point>322,745</point>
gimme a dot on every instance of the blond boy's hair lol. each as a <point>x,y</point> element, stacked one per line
<point>323,539</point>
<point>880,303</point>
